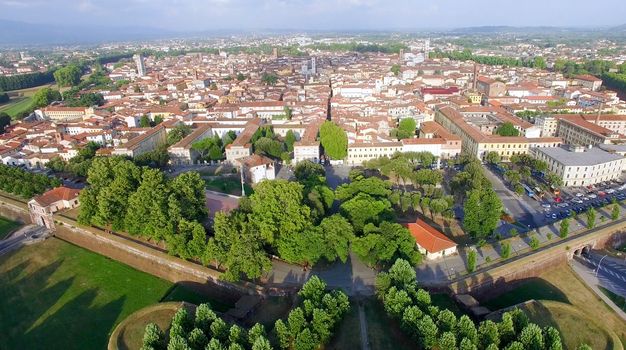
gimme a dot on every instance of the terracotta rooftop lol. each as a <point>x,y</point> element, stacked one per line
<point>428,237</point>
<point>57,194</point>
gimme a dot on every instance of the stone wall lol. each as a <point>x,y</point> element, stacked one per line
<point>15,210</point>
<point>498,278</point>
<point>145,258</point>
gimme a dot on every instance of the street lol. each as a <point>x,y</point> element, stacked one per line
<point>29,233</point>
<point>611,272</point>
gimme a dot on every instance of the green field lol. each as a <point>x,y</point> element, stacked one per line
<point>66,297</point>
<point>7,226</point>
<point>16,105</point>
<point>229,185</point>
<point>569,305</point>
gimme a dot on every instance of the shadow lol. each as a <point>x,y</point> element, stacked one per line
<point>84,318</point>
<point>220,298</point>
<point>504,294</point>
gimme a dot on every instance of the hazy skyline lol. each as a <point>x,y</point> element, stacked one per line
<point>193,15</point>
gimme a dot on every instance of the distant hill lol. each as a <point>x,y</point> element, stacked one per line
<point>14,32</point>
<point>510,29</point>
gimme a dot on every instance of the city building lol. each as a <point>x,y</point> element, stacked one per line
<point>257,168</point>
<point>182,152</point>
<point>581,166</point>
<point>146,142</point>
<point>140,64</point>
<point>42,207</point>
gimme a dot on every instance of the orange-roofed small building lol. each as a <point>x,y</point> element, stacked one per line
<point>430,242</point>
<point>42,207</point>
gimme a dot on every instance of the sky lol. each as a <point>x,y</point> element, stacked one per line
<point>203,15</point>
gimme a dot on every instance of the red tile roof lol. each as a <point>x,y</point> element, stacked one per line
<point>428,237</point>
<point>57,194</point>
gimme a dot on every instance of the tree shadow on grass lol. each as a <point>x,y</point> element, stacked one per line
<point>25,298</point>
<point>79,324</point>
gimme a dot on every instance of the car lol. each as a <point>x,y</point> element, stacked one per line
<point>546,205</point>
<point>579,194</point>
<point>601,193</point>
<point>593,196</point>
<point>548,215</point>
<point>610,191</point>
<point>553,216</point>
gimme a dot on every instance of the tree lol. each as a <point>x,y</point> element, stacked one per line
<point>144,121</point>
<point>337,233</point>
<point>386,243</point>
<point>5,120</point>
<point>334,140</point>
<point>178,133</point>
<point>68,75</point>
<point>153,337</point>
<point>290,139</point>
<point>492,157</point>
<point>44,97</point>
<point>506,328</point>
<point>482,212</point>
<point>534,242</point>
<point>395,69</point>
<point>591,218</point>
<point>307,170</point>
<point>148,207</point>
<point>269,79</point>
<point>615,212</point>
<point>507,129</point>
<point>539,62</point>
<point>427,332</point>
<point>268,147</point>
<point>277,209</point>
<point>241,76</point>
<point>237,246</point>
<point>506,250</point>
<point>471,261</point>
<point>466,330</point>
<point>488,334</point>
<point>564,229</point>
<point>406,128</point>
<point>532,337</point>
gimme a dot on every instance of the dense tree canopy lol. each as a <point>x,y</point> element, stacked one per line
<point>68,75</point>
<point>334,140</point>
<point>45,96</point>
<point>507,129</point>
<point>23,183</point>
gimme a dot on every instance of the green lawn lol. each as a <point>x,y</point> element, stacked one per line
<point>7,226</point>
<point>229,185</point>
<point>16,105</point>
<point>383,332</point>
<point>347,335</point>
<point>60,296</point>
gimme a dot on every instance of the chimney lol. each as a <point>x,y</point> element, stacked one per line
<point>195,74</point>
<point>475,76</point>
<point>599,111</point>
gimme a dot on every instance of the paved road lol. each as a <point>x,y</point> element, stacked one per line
<point>587,274</point>
<point>611,273</point>
<point>526,213</point>
<point>353,276</point>
<point>365,344</point>
<point>24,235</point>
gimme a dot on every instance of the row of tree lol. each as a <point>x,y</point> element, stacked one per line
<point>388,47</point>
<point>435,328</point>
<point>142,202</point>
<point>310,325</point>
<point>408,168</point>
<point>482,207</point>
<point>24,183</point>
<point>467,55</point>
<point>25,81</point>
<point>615,81</point>
<point>205,330</point>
